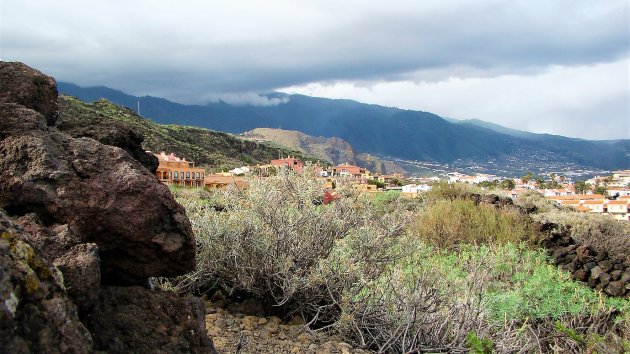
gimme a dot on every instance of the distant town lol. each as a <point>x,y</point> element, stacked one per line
<point>606,194</point>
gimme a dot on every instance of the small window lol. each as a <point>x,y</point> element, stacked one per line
<point>176,175</point>
<point>197,175</point>
<point>187,175</point>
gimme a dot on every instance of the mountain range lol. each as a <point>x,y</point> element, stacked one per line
<point>382,131</point>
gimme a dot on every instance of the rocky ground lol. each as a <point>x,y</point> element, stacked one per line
<point>235,332</point>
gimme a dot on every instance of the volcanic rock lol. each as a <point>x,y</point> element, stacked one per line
<point>29,88</point>
<point>134,319</point>
<point>97,190</point>
<point>36,314</point>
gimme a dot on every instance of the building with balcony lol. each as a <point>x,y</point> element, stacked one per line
<point>176,170</point>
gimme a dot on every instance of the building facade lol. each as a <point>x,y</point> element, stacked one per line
<point>175,170</point>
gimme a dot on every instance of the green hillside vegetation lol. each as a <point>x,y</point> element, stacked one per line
<point>215,150</point>
<point>437,274</point>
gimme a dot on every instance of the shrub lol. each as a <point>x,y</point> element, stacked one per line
<point>536,202</point>
<point>449,223</point>
<point>274,239</point>
<point>451,191</point>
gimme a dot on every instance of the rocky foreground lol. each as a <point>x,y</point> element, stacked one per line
<point>242,328</point>
<point>83,226</point>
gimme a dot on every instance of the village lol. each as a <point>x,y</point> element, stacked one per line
<point>602,194</point>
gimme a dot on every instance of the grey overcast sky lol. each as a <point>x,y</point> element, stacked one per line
<point>552,66</point>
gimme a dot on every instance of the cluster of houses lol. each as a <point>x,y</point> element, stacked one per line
<point>596,203</point>
<point>179,171</point>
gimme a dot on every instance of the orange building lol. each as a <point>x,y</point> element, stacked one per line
<point>346,169</point>
<point>173,169</point>
<point>222,181</point>
<point>290,163</point>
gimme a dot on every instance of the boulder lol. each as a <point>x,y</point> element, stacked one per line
<point>99,191</point>
<point>135,319</point>
<point>606,265</point>
<point>616,288</point>
<point>36,313</point>
<point>604,278</point>
<point>583,253</point>
<point>596,271</point>
<point>581,275</point>
<point>93,211</point>
<point>29,88</point>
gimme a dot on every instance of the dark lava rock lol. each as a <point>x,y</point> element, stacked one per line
<point>606,265</point>
<point>82,274</point>
<point>135,319</point>
<point>581,275</point>
<point>590,265</point>
<point>604,278</point>
<point>36,314</point>
<point>97,190</point>
<point>616,288</point>
<point>596,271</point>
<point>29,88</point>
<point>560,252</point>
<point>101,217</point>
<point>490,199</point>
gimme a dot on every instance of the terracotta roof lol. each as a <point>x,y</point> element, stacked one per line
<point>618,202</point>
<point>582,208</point>
<point>594,202</point>
<point>569,202</point>
<point>567,197</point>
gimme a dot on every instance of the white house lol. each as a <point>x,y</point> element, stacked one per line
<point>416,188</point>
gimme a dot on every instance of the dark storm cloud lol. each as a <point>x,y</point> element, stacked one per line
<point>192,49</point>
<point>407,53</point>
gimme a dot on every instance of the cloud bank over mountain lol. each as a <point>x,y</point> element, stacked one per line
<point>469,52</point>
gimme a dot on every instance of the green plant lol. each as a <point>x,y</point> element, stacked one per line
<point>449,223</point>
<point>478,345</point>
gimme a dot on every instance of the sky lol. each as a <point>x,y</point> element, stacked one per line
<point>559,67</point>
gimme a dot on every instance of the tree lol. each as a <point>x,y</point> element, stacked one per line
<point>581,187</point>
<point>600,189</point>
<point>528,177</point>
<point>508,184</point>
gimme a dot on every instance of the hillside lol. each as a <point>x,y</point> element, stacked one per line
<point>334,150</point>
<point>212,149</point>
<point>383,131</point>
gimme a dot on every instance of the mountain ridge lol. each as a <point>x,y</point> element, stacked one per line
<point>378,130</point>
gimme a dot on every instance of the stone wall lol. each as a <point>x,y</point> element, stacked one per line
<point>595,269</point>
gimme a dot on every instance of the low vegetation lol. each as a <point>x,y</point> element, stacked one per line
<point>439,274</point>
